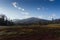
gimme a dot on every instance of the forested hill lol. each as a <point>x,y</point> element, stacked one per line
<point>29,21</point>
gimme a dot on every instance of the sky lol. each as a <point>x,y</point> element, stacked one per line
<point>22,9</point>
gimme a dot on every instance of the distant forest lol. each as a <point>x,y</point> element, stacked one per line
<point>4,21</point>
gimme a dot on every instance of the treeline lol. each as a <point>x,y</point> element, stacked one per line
<point>45,22</point>
<point>5,22</point>
<point>40,23</point>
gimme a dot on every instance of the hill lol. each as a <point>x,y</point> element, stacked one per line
<point>31,20</point>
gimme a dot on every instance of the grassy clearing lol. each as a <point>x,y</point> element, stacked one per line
<point>45,32</point>
<point>54,25</point>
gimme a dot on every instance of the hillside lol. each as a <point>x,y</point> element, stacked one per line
<point>31,20</point>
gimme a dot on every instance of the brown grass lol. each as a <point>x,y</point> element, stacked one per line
<point>45,32</point>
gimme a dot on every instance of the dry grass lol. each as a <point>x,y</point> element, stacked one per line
<point>45,32</point>
<point>54,25</point>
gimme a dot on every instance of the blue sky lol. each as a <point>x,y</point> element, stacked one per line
<point>21,9</point>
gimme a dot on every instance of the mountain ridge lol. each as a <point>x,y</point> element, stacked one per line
<point>31,20</point>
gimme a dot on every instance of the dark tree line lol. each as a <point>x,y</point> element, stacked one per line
<point>4,21</point>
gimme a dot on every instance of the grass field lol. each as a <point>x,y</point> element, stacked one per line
<point>37,32</point>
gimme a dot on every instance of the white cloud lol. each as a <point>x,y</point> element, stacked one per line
<point>25,13</point>
<point>22,10</point>
<point>19,8</point>
<point>42,8</point>
<point>14,4</point>
<point>38,8</point>
<point>51,0</point>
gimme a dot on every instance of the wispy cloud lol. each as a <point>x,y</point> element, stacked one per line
<point>27,16</point>
<point>42,8</point>
<point>25,13</point>
<point>38,8</point>
<point>22,10</point>
<point>14,4</point>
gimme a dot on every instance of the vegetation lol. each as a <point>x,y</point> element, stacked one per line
<point>45,32</point>
<point>4,21</point>
<point>42,30</point>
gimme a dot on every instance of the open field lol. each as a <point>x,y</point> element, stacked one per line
<point>45,32</point>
